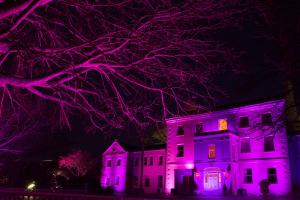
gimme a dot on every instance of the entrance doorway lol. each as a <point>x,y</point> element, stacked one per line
<point>212,180</point>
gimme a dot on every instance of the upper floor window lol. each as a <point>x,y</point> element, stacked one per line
<point>119,162</point>
<point>211,151</point>
<point>180,130</point>
<point>151,161</point>
<point>180,150</point>
<point>108,163</point>
<point>244,122</point>
<point>266,119</point>
<point>272,175</point>
<point>145,161</point>
<point>199,128</point>
<point>269,143</point>
<point>245,145</point>
<point>161,160</point>
<point>223,124</point>
<point>136,162</point>
<point>248,176</point>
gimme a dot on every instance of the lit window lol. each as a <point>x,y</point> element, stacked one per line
<point>145,161</point>
<point>269,143</point>
<point>151,161</point>
<point>161,160</point>
<point>117,180</point>
<point>119,162</point>
<point>147,182</point>
<point>109,163</point>
<point>244,122</point>
<point>211,151</point>
<point>180,150</point>
<point>160,181</point>
<point>180,130</point>
<point>199,128</point>
<point>248,176</point>
<point>136,162</point>
<point>222,124</point>
<point>266,119</point>
<point>272,175</point>
<point>245,145</point>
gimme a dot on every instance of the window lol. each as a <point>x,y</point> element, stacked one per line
<point>269,143</point>
<point>108,163</point>
<point>248,176</point>
<point>145,161</point>
<point>160,181</point>
<point>266,119</point>
<point>119,162</point>
<point>199,128</point>
<point>180,150</point>
<point>244,122</point>
<point>117,180</point>
<point>151,161</point>
<point>161,160</point>
<point>245,145</point>
<point>147,182</point>
<point>180,130</point>
<point>136,162</point>
<point>222,124</point>
<point>272,175</point>
<point>211,151</point>
<point>107,181</point>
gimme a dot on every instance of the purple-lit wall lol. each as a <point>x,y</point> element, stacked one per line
<point>256,159</point>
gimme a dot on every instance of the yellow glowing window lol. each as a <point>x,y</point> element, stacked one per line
<point>222,124</point>
<point>211,151</point>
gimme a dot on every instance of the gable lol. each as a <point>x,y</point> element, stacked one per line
<point>114,148</point>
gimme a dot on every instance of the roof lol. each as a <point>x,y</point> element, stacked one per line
<point>131,148</point>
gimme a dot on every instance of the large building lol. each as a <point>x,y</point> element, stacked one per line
<point>229,150</point>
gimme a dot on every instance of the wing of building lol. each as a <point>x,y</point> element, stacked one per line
<point>232,151</point>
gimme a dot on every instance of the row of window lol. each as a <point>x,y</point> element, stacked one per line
<point>272,175</point>
<point>245,147</point>
<point>266,120</point>
<point>135,181</point>
<point>109,163</point>
<point>151,162</point>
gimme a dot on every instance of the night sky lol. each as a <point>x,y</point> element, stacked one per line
<point>259,78</point>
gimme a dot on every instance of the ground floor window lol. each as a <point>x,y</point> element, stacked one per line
<point>117,180</point>
<point>272,175</point>
<point>160,181</point>
<point>248,176</point>
<point>147,182</point>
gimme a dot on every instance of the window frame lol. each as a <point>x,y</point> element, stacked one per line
<point>246,176</point>
<point>210,149</point>
<point>177,154</point>
<point>118,162</point>
<point>147,182</point>
<point>273,175</point>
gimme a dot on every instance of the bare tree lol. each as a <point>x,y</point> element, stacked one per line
<point>113,59</point>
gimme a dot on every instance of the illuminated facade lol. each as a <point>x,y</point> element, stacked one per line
<point>230,150</point>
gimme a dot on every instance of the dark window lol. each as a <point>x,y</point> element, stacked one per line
<point>266,119</point>
<point>119,162</point>
<point>180,150</point>
<point>136,162</point>
<point>109,163</point>
<point>145,161</point>
<point>269,143</point>
<point>117,180</point>
<point>147,182</point>
<point>244,122</point>
<point>160,181</point>
<point>161,160</point>
<point>245,145</point>
<point>180,130</point>
<point>199,128</point>
<point>272,175</point>
<point>151,161</point>
<point>248,176</point>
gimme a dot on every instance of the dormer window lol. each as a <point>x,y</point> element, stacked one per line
<point>244,122</point>
<point>180,130</point>
<point>223,124</point>
<point>199,128</point>
<point>266,119</point>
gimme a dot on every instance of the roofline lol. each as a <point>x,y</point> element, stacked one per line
<point>218,112</point>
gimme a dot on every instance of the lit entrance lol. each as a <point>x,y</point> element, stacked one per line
<point>212,180</point>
